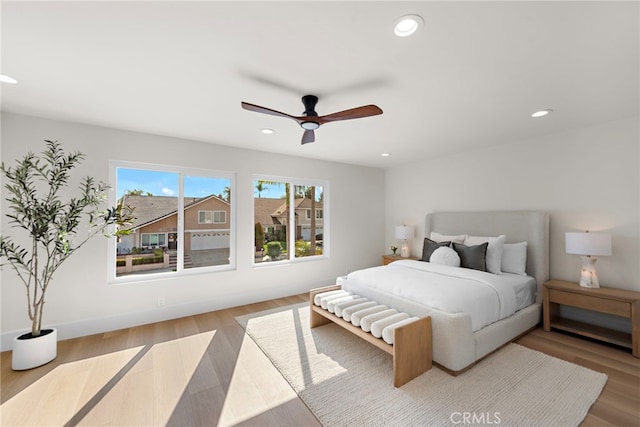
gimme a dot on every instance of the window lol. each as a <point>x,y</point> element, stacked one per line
<point>181,220</point>
<point>318,214</point>
<point>150,240</point>
<point>212,217</point>
<point>289,213</point>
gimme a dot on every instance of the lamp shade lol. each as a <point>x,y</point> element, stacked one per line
<point>405,232</point>
<point>597,244</point>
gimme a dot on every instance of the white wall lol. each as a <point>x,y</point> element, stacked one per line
<point>81,302</point>
<point>586,179</point>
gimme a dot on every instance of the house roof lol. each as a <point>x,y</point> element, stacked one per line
<point>274,211</point>
<point>264,210</point>
<point>149,209</point>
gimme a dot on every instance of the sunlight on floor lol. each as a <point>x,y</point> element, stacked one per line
<point>58,395</point>
<point>149,393</point>
<point>255,387</point>
<point>113,393</point>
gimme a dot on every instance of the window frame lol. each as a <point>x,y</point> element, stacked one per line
<point>182,172</point>
<point>213,216</point>
<point>291,219</point>
<point>319,214</point>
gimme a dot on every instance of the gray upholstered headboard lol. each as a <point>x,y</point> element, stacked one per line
<point>518,226</point>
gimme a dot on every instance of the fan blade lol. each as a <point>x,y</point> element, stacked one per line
<point>264,110</point>
<point>354,113</point>
<point>308,136</point>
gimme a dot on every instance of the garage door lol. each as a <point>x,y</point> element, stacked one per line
<point>210,240</point>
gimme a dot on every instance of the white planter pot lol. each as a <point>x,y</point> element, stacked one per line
<point>34,352</point>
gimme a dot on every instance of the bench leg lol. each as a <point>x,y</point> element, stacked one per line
<point>412,351</point>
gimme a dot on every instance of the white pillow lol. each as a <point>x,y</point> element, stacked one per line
<point>437,237</point>
<point>446,256</point>
<point>514,258</point>
<point>494,250</point>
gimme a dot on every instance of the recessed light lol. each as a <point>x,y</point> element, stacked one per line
<point>542,113</point>
<point>267,131</point>
<point>385,154</point>
<point>6,79</point>
<point>407,25</point>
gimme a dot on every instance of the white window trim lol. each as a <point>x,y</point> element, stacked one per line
<point>318,212</point>
<point>181,271</point>
<point>213,216</point>
<point>291,220</point>
<point>166,237</point>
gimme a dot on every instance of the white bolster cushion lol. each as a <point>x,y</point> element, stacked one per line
<point>338,309</point>
<point>331,305</point>
<point>318,297</point>
<point>357,316</point>
<point>379,325</point>
<point>366,321</point>
<point>347,312</point>
<point>387,333</point>
<point>324,301</point>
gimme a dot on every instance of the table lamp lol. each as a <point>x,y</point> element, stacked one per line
<point>588,244</point>
<point>405,233</point>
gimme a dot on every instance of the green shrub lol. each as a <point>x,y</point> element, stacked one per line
<point>274,249</point>
<point>158,252</point>
<point>303,248</point>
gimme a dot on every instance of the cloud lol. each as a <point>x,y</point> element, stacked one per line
<point>167,191</point>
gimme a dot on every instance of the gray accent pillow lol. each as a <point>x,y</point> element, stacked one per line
<point>429,246</point>
<point>472,256</point>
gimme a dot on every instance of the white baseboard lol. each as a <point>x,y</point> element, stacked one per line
<point>85,327</point>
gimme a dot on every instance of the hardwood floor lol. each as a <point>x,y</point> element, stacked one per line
<point>202,370</point>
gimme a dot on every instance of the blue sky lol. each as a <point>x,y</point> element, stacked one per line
<point>166,184</point>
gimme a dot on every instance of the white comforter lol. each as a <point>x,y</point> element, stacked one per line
<point>485,297</point>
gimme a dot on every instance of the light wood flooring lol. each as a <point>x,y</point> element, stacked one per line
<point>203,371</point>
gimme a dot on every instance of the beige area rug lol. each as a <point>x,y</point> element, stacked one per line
<point>346,381</point>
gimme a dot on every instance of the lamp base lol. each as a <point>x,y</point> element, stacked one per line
<point>404,251</point>
<point>588,274</point>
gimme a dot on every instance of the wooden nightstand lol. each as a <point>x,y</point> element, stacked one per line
<point>387,259</point>
<point>618,302</point>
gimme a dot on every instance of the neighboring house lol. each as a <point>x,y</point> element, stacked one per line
<point>272,214</point>
<point>265,213</point>
<point>206,223</point>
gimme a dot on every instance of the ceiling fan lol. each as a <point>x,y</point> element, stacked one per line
<point>310,121</point>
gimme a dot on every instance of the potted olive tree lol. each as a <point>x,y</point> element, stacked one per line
<point>48,234</point>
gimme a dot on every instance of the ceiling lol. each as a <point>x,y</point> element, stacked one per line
<point>471,77</point>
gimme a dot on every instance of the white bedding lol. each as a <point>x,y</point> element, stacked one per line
<point>414,287</point>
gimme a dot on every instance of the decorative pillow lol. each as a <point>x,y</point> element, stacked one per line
<point>437,237</point>
<point>472,256</point>
<point>494,251</point>
<point>514,258</point>
<point>429,246</point>
<point>446,256</point>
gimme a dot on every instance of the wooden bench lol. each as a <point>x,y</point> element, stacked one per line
<point>411,348</point>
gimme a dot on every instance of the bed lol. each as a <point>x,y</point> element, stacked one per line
<point>463,334</point>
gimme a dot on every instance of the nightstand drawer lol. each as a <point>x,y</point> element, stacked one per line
<point>617,308</point>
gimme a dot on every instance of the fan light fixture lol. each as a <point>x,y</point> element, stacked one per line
<point>407,25</point>
<point>6,79</point>
<point>310,125</point>
<point>542,113</point>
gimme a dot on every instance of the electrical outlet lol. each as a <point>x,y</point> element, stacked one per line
<point>160,301</point>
